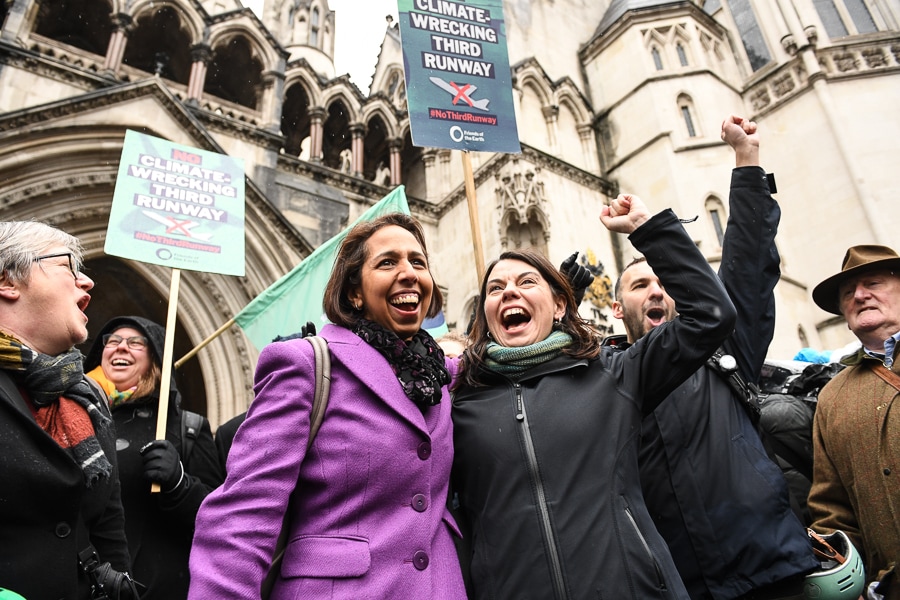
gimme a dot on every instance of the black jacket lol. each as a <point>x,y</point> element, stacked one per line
<point>47,515</point>
<point>553,499</point>
<point>719,501</point>
<point>159,526</point>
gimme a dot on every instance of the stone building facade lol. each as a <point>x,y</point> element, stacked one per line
<point>620,95</point>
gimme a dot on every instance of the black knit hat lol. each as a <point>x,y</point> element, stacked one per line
<point>155,334</point>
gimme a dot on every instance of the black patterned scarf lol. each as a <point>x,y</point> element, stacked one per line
<point>418,364</point>
<point>62,400</point>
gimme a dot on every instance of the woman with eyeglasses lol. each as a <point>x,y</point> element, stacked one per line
<point>59,488</point>
<point>126,360</point>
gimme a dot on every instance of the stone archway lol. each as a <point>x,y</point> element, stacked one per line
<point>121,290</point>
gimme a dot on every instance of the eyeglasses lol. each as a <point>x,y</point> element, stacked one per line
<point>73,265</point>
<point>135,342</point>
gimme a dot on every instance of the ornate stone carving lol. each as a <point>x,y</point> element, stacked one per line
<point>812,35</point>
<point>760,99</point>
<point>845,62</point>
<point>874,58</point>
<point>520,192</point>
<point>783,85</point>
<point>789,44</point>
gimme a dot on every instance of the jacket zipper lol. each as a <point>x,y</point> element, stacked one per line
<point>661,581</point>
<point>556,574</point>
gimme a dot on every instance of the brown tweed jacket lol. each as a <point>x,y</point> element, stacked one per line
<point>856,472</point>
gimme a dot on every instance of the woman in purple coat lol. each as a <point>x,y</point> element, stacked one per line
<point>367,503</point>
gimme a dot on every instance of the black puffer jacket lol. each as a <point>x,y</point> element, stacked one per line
<point>719,501</point>
<point>546,464</point>
<point>159,526</point>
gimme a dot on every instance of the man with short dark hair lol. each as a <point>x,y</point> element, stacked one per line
<point>717,499</point>
<point>856,430</point>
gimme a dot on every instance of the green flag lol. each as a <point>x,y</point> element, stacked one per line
<point>296,298</point>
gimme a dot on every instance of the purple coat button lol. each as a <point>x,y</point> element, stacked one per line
<point>424,450</point>
<point>420,560</point>
<point>419,503</point>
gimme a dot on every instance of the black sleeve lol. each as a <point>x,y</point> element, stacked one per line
<point>750,268</point>
<point>203,472</point>
<point>669,354</point>
<point>225,436</point>
<point>103,511</point>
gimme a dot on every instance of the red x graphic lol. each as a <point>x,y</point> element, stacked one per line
<point>461,93</point>
<point>179,226</point>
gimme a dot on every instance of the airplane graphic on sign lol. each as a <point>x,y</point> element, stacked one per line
<point>461,92</point>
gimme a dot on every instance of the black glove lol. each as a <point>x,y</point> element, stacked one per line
<point>162,465</point>
<point>106,582</point>
<point>579,277</point>
<point>113,585</point>
<point>307,330</point>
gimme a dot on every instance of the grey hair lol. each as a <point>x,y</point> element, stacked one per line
<point>23,241</point>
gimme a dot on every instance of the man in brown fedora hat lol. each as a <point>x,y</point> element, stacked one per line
<point>856,430</point>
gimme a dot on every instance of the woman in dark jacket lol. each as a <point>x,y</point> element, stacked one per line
<point>125,360</point>
<point>59,486</point>
<point>546,425</point>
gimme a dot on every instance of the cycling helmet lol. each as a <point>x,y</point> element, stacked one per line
<point>841,576</point>
<point>6,594</point>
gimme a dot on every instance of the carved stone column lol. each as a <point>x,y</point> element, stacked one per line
<point>551,117</point>
<point>395,145</point>
<point>317,116</point>
<point>201,54</point>
<point>432,185</point>
<point>16,19</point>
<point>122,24</point>
<point>357,133</point>
<point>446,181</point>
<point>271,99</point>
<point>589,148</point>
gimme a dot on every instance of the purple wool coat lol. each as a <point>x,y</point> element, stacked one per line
<point>368,518</point>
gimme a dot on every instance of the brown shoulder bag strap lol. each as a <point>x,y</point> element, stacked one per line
<point>889,376</point>
<point>320,402</point>
<point>323,386</point>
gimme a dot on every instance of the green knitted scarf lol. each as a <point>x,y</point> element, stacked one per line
<point>514,360</point>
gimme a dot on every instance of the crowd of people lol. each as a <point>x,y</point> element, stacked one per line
<point>527,458</point>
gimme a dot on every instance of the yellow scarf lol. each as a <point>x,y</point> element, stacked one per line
<point>115,396</point>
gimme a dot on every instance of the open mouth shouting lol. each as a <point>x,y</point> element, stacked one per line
<point>657,315</point>
<point>82,305</point>
<point>514,318</point>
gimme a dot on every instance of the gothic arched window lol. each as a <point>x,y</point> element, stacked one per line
<point>314,28</point>
<point>715,211</point>
<point>686,109</point>
<point>682,55</point>
<point>751,34</point>
<point>854,19</point>
<point>657,59</point>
